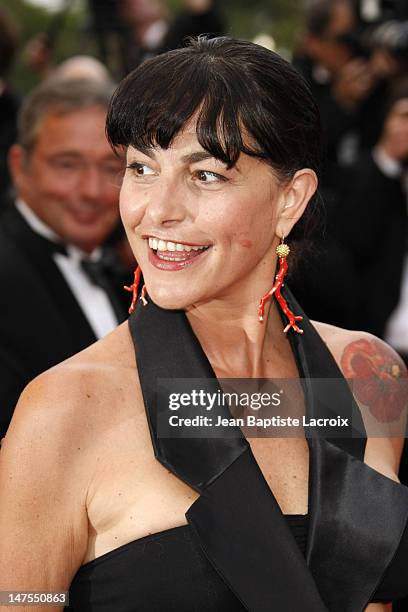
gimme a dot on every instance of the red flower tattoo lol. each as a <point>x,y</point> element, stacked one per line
<point>379,379</point>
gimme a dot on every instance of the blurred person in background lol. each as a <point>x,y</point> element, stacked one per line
<point>372,224</point>
<point>128,31</point>
<point>338,80</point>
<point>117,248</point>
<point>387,50</point>
<point>58,291</point>
<point>349,66</point>
<point>351,69</point>
<point>151,29</point>
<point>82,67</point>
<point>197,17</point>
<point>9,102</point>
<point>395,163</point>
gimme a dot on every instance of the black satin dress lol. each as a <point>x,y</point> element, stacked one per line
<point>238,551</point>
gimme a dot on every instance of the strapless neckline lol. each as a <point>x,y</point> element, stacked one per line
<point>151,537</point>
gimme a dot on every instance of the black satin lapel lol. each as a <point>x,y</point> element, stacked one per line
<point>316,363</point>
<point>244,535</point>
<point>363,515</point>
<point>166,347</point>
<point>237,519</point>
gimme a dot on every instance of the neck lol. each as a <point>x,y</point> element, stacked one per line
<point>86,248</point>
<point>232,337</point>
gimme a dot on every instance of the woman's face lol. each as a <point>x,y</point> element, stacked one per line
<point>198,230</point>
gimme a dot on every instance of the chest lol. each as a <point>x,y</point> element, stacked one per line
<point>284,463</point>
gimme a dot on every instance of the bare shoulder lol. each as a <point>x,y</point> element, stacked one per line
<point>379,381</point>
<point>67,402</point>
<point>359,353</point>
<point>69,422</point>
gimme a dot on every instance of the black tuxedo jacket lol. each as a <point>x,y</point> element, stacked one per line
<point>41,323</point>
<point>354,281</point>
<point>372,224</point>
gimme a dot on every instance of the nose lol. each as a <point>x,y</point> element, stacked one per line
<point>90,185</point>
<point>167,203</point>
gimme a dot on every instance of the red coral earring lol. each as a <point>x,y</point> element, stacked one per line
<point>134,289</point>
<point>282,251</point>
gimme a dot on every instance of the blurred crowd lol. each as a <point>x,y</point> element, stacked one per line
<point>355,57</point>
<point>63,255</point>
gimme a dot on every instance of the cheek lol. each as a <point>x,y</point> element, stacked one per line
<point>54,187</point>
<point>131,206</point>
<point>255,230</point>
<point>245,225</point>
<point>245,243</point>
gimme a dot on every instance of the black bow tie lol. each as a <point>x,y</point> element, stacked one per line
<point>95,270</point>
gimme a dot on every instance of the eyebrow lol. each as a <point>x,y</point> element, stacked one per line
<point>67,153</point>
<point>149,151</point>
<point>197,156</point>
<point>190,158</point>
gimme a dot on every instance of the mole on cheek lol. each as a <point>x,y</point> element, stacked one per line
<point>247,244</point>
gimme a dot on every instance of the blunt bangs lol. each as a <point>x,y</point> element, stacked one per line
<point>239,92</point>
<point>156,101</point>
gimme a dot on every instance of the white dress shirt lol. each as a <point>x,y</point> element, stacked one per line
<point>396,331</point>
<point>92,299</point>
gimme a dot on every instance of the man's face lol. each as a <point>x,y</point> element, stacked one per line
<point>71,177</point>
<point>326,49</point>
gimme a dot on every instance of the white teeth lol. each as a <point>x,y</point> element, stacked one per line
<point>153,243</point>
<point>162,245</point>
<point>171,258</point>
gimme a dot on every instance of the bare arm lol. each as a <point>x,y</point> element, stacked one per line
<point>379,607</point>
<point>379,382</point>
<point>43,521</point>
<point>380,385</point>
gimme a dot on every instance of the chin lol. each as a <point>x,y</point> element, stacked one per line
<point>169,299</point>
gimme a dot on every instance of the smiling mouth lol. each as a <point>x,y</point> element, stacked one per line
<point>85,215</point>
<point>175,251</point>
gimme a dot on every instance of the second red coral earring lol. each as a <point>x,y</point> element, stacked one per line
<point>282,251</point>
<point>134,289</point>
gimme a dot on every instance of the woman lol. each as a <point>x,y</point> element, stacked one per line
<point>222,154</point>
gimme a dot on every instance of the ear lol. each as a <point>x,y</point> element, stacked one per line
<point>294,199</point>
<point>17,163</point>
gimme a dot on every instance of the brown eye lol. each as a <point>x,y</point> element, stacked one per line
<point>140,169</point>
<point>205,176</point>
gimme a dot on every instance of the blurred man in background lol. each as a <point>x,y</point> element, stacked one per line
<point>352,67</point>
<point>58,296</point>
<point>372,224</point>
